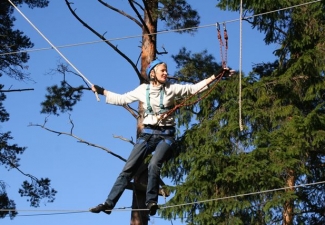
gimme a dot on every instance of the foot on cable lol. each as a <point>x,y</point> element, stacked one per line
<point>152,207</point>
<point>101,208</point>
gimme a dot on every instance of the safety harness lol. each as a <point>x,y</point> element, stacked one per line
<point>163,109</point>
<point>166,111</point>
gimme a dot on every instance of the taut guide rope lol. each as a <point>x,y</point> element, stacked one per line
<point>23,15</point>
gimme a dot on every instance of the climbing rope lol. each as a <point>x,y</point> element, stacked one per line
<point>223,45</point>
<point>223,49</point>
<point>186,101</point>
<point>240,66</point>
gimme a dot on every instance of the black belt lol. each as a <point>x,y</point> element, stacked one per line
<point>163,130</point>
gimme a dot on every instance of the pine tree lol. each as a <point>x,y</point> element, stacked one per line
<point>281,144</point>
<point>12,65</point>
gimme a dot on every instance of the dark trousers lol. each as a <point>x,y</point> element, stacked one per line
<point>151,141</point>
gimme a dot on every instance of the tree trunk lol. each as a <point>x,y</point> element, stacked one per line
<point>149,31</point>
<point>289,204</point>
<point>139,198</point>
<point>148,53</point>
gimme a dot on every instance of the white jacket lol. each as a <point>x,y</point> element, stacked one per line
<point>171,91</point>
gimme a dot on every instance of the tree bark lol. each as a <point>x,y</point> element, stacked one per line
<point>288,208</point>
<point>139,198</point>
<point>148,53</point>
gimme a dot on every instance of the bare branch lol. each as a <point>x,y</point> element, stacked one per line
<point>132,111</point>
<point>121,12</point>
<point>140,6</point>
<point>131,2</point>
<point>76,137</point>
<point>104,39</point>
<point>147,7</point>
<point>13,165</point>
<point>86,142</point>
<point>17,90</point>
<point>164,52</point>
<point>124,139</point>
<point>63,68</point>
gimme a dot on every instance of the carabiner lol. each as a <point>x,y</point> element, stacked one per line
<point>218,26</point>
<point>224,26</point>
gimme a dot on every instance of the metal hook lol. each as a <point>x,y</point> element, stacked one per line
<point>224,26</point>
<point>218,26</point>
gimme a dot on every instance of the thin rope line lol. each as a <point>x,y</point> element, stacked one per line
<point>48,41</point>
<point>161,32</point>
<point>23,15</point>
<point>240,64</point>
<point>44,210</point>
<point>68,210</point>
<point>243,195</point>
<point>50,48</point>
<point>49,214</point>
<point>178,205</point>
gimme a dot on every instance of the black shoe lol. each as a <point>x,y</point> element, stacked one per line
<point>152,207</point>
<point>101,208</point>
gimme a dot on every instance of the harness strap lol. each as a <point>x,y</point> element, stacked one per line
<point>149,108</point>
<point>163,109</point>
<point>169,132</point>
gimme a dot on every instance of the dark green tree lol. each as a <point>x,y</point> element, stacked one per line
<point>13,65</point>
<point>281,145</point>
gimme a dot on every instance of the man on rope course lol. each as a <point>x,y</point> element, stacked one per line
<point>158,133</point>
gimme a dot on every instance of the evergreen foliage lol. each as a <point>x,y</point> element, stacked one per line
<point>13,65</point>
<point>283,116</point>
<point>283,137</point>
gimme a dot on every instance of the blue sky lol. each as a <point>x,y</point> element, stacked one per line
<point>81,174</point>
